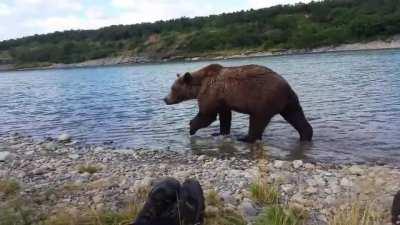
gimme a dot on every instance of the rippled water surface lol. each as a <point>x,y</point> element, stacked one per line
<point>352,100</point>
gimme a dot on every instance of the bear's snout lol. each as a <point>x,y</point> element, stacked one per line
<point>167,101</point>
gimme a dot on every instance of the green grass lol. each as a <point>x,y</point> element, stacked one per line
<point>23,211</point>
<point>94,217</point>
<point>281,215</point>
<point>225,217</point>
<point>212,198</point>
<point>222,216</point>
<point>28,65</point>
<point>264,193</point>
<point>356,213</point>
<point>9,187</point>
<point>19,211</point>
<point>89,169</point>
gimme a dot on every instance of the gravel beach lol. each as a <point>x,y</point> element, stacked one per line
<point>54,170</point>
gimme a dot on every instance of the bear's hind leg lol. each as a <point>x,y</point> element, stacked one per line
<point>201,121</point>
<point>294,115</point>
<point>256,128</point>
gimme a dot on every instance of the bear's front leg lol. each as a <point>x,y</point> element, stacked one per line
<point>201,121</point>
<point>225,119</point>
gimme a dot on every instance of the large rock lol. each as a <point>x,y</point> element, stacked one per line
<point>279,164</point>
<point>356,170</point>
<point>5,156</point>
<point>64,138</point>
<point>247,209</point>
<point>50,146</point>
<point>227,197</point>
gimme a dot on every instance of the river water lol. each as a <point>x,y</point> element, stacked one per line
<point>352,100</point>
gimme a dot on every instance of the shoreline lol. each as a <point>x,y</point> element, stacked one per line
<point>392,43</point>
<point>319,188</point>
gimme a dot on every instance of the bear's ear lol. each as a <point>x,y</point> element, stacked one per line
<point>178,75</point>
<point>187,77</point>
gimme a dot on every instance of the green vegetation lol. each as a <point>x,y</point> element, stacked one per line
<point>274,213</point>
<point>93,217</point>
<point>212,198</point>
<point>88,169</point>
<point>9,187</point>
<point>220,215</point>
<point>263,193</point>
<point>356,213</point>
<point>22,212</point>
<point>302,26</point>
<point>20,209</point>
<point>280,215</point>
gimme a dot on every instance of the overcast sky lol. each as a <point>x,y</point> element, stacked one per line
<point>20,18</point>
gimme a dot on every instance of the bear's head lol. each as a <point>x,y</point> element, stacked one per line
<point>183,89</point>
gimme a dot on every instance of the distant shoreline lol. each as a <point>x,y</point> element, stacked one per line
<point>393,43</point>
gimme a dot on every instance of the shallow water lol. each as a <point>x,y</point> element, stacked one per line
<point>352,100</point>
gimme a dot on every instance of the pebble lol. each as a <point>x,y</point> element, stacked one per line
<point>356,170</point>
<point>309,166</point>
<point>73,156</point>
<point>346,182</point>
<point>279,164</point>
<point>311,190</point>
<point>297,164</point>
<point>51,146</point>
<point>287,187</point>
<point>201,158</point>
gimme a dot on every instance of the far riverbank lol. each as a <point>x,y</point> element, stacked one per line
<point>392,43</point>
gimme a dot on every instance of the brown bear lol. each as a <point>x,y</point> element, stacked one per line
<point>250,89</point>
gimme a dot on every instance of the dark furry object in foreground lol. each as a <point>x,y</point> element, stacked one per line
<point>191,203</point>
<point>160,207</point>
<point>396,209</point>
<point>169,203</point>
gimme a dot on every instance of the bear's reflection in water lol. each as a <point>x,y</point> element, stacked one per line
<point>226,147</point>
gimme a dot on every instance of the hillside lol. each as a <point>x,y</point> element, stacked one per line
<point>303,26</point>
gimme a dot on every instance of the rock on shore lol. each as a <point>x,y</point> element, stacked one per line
<point>69,175</point>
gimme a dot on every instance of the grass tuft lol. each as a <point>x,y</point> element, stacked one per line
<point>213,199</point>
<point>264,193</point>
<point>19,211</point>
<point>356,213</point>
<point>94,217</point>
<point>88,169</point>
<point>225,217</point>
<point>9,187</point>
<point>222,215</point>
<point>281,215</point>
